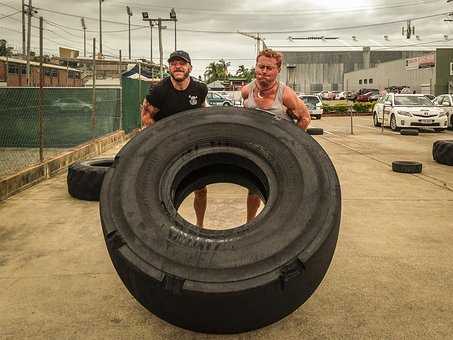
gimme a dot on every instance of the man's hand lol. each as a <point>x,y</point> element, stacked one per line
<point>296,108</point>
<point>147,112</point>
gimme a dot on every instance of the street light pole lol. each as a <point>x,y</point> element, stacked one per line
<point>100,26</point>
<point>173,17</point>
<point>84,37</point>
<point>129,14</point>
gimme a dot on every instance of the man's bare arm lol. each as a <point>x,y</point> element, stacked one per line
<point>296,108</point>
<point>147,113</point>
<point>245,92</point>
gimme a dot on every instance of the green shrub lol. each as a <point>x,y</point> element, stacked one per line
<point>363,107</point>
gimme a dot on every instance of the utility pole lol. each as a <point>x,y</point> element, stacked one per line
<point>151,41</point>
<point>30,14</point>
<point>160,28</point>
<point>129,14</point>
<point>258,39</point>
<point>409,30</point>
<point>41,95</point>
<point>100,26</point>
<point>84,37</point>
<point>23,27</point>
<point>161,53</point>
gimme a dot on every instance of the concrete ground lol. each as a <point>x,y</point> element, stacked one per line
<point>391,276</point>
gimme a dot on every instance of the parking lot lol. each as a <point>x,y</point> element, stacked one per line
<point>391,276</point>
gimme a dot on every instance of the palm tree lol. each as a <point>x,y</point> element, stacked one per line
<point>217,71</point>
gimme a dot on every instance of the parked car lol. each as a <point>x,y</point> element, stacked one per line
<point>331,95</point>
<point>71,104</point>
<point>314,105</point>
<point>368,96</point>
<point>216,99</point>
<point>342,95</point>
<point>409,111</point>
<point>445,102</point>
<point>323,94</point>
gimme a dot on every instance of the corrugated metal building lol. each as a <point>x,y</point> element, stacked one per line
<point>311,72</point>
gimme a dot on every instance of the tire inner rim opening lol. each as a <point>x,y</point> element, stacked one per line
<point>197,171</point>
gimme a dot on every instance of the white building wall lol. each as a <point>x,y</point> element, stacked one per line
<point>392,73</point>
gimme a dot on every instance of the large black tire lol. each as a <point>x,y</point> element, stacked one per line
<point>443,151</point>
<point>221,281</point>
<point>85,178</point>
<point>409,132</point>
<point>407,167</point>
<point>315,131</point>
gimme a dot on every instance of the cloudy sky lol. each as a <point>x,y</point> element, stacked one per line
<point>208,30</point>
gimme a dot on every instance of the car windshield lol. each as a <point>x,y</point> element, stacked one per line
<point>412,101</point>
<point>310,101</point>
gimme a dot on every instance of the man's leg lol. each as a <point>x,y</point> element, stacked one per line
<point>253,203</point>
<point>199,204</point>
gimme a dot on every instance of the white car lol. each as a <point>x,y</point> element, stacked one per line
<point>314,105</point>
<point>445,101</point>
<point>408,111</point>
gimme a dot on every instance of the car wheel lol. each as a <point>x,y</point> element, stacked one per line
<point>439,130</point>
<point>393,125</point>
<point>375,120</point>
<point>226,104</point>
<point>221,281</point>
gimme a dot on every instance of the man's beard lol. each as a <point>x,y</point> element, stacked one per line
<point>186,75</point>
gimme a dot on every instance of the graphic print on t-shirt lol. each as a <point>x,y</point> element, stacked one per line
<point>193,100</point>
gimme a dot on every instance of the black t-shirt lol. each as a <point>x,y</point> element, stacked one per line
<point>170,100</point>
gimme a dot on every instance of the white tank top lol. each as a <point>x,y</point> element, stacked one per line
<point>277,108</point>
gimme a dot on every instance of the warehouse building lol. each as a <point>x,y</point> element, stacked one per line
<point>312,72</point>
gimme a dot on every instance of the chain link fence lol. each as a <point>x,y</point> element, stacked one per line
<point>59,120</point>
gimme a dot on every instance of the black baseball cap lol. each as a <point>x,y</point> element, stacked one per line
<point>181,55</point>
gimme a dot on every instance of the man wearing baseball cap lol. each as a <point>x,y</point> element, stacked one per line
<point>174,94</point>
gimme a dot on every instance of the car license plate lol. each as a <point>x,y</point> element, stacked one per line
<point>426,121</point>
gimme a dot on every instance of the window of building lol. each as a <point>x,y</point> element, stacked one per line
<point>370,81</point>
<point>47,72</point>
<point>360,81</point>
<point>12,68</point>
<point>23,69</point>
<point>54,73</point>
<point>365,81</point>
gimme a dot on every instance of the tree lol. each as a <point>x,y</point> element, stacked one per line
<point>246,73</point>
<point>217,71</point>
<point>4,50</point>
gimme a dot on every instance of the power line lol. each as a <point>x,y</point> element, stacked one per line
<point>291,13</point>
<point>9,15</point>
<point>263,32</point>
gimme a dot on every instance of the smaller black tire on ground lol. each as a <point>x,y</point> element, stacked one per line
<point>315,131</point>
<point>409,132</point>
<point>407,167</point>
<point>85,178</point>
<point>443,151</point>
